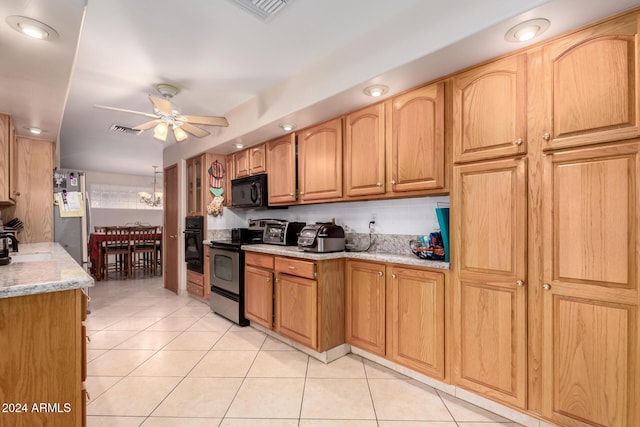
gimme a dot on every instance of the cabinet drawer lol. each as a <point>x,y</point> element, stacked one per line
<point>259,260</point>
<point>195,278</point>
<point>296,267</point>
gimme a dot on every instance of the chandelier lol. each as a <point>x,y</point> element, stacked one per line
<point>152,199</point>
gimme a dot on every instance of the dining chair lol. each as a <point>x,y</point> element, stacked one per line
<point>159,247</point>
<point>117,244</point>
<point>144,255</point>
<point>98,228</point>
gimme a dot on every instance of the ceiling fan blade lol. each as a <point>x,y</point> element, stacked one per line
<point>161,105</point>
<point>194,130</point>
<point>206,120</point>
<point>104,107</point>
<point>147,125</point>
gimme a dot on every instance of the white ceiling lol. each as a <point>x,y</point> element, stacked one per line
<point>308,63</point>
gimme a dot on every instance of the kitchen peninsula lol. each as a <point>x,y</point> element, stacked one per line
<point>43,341</point>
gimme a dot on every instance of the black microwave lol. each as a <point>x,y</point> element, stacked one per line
<point>249,192</point>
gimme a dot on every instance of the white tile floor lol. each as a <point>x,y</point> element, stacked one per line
<point>159,360</point>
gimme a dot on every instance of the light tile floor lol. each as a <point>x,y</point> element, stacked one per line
<point>160,360</point>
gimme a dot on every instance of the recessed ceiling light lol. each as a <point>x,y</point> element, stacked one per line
<point>527,30</point>
<point>31,27</point>
<point>34,130</point>
<point>239,145</point>
<point>287,127</point>
<point>375,90</point>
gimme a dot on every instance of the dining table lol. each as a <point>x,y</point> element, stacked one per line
<point>97,253</point>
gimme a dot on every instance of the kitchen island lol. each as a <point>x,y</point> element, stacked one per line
<point>43,356</point>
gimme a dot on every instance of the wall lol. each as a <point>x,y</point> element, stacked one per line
<point>397,216</point>
<point>108,216</point>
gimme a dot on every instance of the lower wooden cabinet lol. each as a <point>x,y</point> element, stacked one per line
<point>258,289</point>
<point>297,302</point>
<point>399,313</point>
<point>195,283</point>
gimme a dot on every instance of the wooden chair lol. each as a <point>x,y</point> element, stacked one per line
<point>159,247</point>
<point>117,244</point>
<point>99,229</point>
<point>144,250</point>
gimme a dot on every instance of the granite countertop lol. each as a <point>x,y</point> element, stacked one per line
<point>293,251</point>
<point>39,268</point>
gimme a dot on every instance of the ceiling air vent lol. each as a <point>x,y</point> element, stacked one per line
<point>124,129</point>
<point>263,9</point>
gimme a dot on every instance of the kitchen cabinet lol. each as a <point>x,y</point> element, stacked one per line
<point>320,162</point>
<point>228,176</point>
<point>195,283</point>
<point>310,301</point>
<point>489,202</point>
<point>258,283</point>
<point>591,82</point>
<point>7,161</point>
<point>250,161</point>
<point>43,361</point>
<point>281,163</point>
<point>591,346</point>
<point>195,188</point>
<point>365,306</point>
<point>364,151</point>
<point>490,110</point>
<point>416,140</point>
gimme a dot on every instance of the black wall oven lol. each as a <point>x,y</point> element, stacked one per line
<point>193,246</point>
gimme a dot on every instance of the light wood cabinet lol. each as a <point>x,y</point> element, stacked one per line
<point>490,110</point>
<point>365,306</point>
<point>250,161</point>
<point>258,283</point>
<point>281,163</point>
<point>43,360</point>
<point>195,185</point>
<point>310,301</point>
<point>320,162</point>
<point>364,151</point>
<point>195,283</point>
<point>7,160</point>
<point>591,354</point>
<point>416,319</point>
<point>416,140</point>
<point>591,85</point>
<point>489,304</point>
<point>229,175</point>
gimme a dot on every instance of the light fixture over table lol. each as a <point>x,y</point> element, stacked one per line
<point>152,199</point>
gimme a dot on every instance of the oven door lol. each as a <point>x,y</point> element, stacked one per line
<point>193,251</point>
<point>227,269</point>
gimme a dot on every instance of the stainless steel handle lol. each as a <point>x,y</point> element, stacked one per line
<point>519,283</point>
<point>546,136</point>
<point>394,276</point>
<point>546,286</point>
<point>519,141</point>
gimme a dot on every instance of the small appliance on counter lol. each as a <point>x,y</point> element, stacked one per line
<point>5,237</point>
<point>321,237</point>
<point>282,232</point>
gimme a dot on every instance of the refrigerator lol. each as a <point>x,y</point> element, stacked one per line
<point>70,213</point>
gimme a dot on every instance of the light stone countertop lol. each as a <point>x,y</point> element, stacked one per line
<point>39,268</point>
<point>293,251</point>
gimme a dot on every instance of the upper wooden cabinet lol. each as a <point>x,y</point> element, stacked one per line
<point>416,140</point>
<point>7,160</point>
<point>281,163</point>
<point>591,85</point>
<point>195,185</point>
<point>490,110</point>
<point>228,176</point>
<point>591,350</point>
<point>251,161</point>
<point>320,162</point>
<point>364,151</point>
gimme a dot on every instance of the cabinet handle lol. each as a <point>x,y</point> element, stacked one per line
<point>88,338</point>
<point>393,182</point>
<point>302,192</point>
<point>291,267</point>
<point>16,193</point>
<point>394,276</point>
<point>268,280</point>
<point>519,141</point>
<point>291,194</point>
<point>546,136</point>
<point>519,283</point>
<point>380,273</point>
<point>546,286</point>
<point>88,396</point>
<point>378,184</point>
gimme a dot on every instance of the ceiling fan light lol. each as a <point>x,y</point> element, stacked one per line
<point>179,133</point>
<point>160,131</point>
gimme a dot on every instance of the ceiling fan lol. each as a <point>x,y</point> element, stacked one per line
<point>166,113</point>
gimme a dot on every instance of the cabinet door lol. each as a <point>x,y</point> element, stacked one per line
<point>257,160</point>
<point>7,160</point>
<point>364,161</point>
<point>198,190</point>
<point>241,163</point>
<point>297,309</point>
<point>190,187</point>
<point>415,155</point>
<point>591,85</point>
<point>320,162</point>
<point>281,161</point>
<point>490,110</point>
<point>259,296</point>
<point>365,306</point>
<point>489,314</point>
<point>415,320</point>
<point>590,295</point>
<point>229,175</point>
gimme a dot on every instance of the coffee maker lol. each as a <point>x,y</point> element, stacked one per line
<point>5,237</point>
